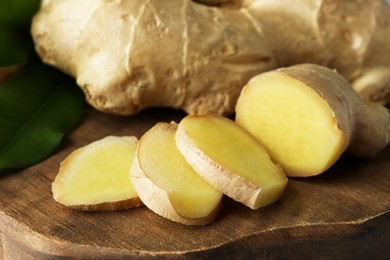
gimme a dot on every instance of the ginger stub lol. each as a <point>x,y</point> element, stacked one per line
<point>308,115</point>
<point>230,159</point>
<point>167,184</point>
<point>96,176</point>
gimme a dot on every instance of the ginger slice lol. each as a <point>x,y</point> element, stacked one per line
<point>230,159</point>
<point>96,176</point>
<point>308,115</point>
<point>294,123</point>
<point>167,184</point>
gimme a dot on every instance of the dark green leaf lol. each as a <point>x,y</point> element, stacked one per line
<point>38,107</point>
<point>18,13</point>
<point>16,46</point>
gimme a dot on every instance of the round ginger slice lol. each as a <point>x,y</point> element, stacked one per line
<point>167,184</point>
<point>230,159</point>
<point>96,177</point>
<point>293,121</point>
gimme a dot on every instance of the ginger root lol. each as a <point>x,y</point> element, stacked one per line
<point>130,55</point>
<point>96,177</point>
<point>230,159</point>
<point>307,116</point>
<point>197,55</point>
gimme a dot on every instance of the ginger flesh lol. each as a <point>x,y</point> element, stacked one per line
<point>293,122</point>
<point>307,116</point>
<point>95,177</point>
<point>167,184</point>
<point>230,159</point>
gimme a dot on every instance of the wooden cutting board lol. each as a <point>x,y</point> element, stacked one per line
<point>341,214</point>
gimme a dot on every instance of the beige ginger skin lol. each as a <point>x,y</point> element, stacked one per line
<point>198,55</point>
<point>161,53</point>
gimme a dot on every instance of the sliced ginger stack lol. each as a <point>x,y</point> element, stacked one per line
<point>297,120</point>
<point>181,171</point>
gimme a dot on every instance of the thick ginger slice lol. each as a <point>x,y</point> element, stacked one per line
<point>230,159</point>
<point>167,184</point>
<point>308,115</point>
<point>96,176</point>
<point>304,139</point>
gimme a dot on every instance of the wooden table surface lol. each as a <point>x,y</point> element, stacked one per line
<point>341,214</point>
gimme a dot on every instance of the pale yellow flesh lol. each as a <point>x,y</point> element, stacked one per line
<point>163,164</point>
<point>97,173</point>
<point>293,122</point>
<point>233,149</point>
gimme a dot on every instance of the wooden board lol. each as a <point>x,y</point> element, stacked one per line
<point>342,214</point>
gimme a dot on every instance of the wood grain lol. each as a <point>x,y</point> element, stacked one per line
<point>341,214</point>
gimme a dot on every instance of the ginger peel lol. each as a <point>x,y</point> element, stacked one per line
<point>197,55</point>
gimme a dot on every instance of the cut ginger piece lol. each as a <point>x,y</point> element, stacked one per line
<point>96,177</point>
<point>230,159</point>
<point>308,115</point>
<point>293,121</point>
<point>167,184</point>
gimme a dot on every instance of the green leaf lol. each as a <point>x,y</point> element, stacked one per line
<point>18,13</point>
<point>38,107</point>
<point>16,46</point>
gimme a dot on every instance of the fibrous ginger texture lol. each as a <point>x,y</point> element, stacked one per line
<point>197,55</point>
<point>129,55</point>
